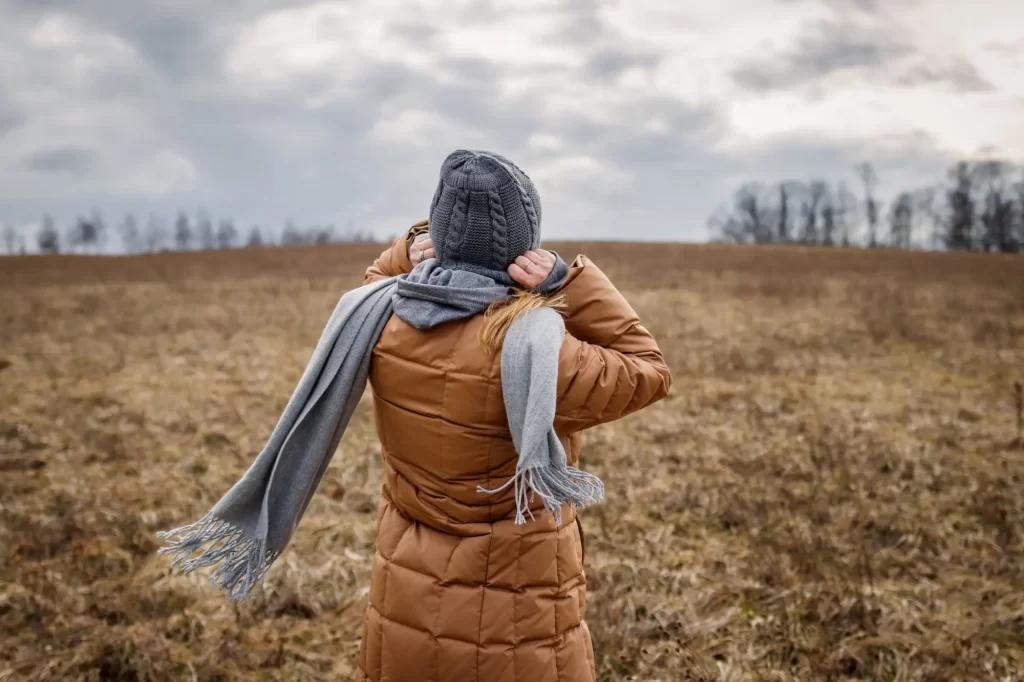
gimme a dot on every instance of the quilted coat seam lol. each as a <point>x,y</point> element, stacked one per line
<point>487,563</point>
<point>581,413</point>
<point>583,541</point>
<point>435,640</point>
<point>515,608</point>
<point>473,430</point>
<point>546,640</point>
<point>483,594</point>
<point>383,590</point>
<point>452,369</point>
<point>443,581</point>
<point>558,590</point>
<point>583,409</point>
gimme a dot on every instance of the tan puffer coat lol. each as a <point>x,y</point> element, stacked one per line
<point>459,593</point>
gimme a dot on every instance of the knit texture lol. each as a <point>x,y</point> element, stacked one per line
<point>485,213</point>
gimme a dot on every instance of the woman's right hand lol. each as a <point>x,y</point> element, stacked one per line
<point>421,248</point>
<point>532,268</point>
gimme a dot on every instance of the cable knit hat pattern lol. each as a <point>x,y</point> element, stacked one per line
<point>485,213</point>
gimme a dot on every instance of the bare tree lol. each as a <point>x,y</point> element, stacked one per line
<point>845,209</point>
<point>10,239</point>
<point>227,235</point>
<point>927,218</point>
<point>811,210</point>
<point>129,229</point>
<point>352,234</point>
<point>255,238</point>
<point>99,231</point>
<point>85,233</point>
<point>901,221</point>
<point>156,234</point>
<point>323,234</point>
<point>204,231</point>
<point>182,232</point>
<point>960,203</point>
<point>74,236</point>
<point>783,222</point>
<point>998,207</point>
<point>828,219</point>
<point>291,235</point>
<point>48,238</point>
<point>789,194</point>
<point>746,219</point>
<point>869,179</point>
<point>1018,230</point>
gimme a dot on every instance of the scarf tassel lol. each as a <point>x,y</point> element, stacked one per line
<point>245,558</point>
<point>556,486</point>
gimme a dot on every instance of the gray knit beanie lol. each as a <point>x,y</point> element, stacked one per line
<point>485,213</point>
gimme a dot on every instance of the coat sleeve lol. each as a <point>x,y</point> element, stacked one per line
<point>609,365</point>
<point>394,260</point>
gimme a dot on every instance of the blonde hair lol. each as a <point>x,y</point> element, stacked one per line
<point>500,315</point>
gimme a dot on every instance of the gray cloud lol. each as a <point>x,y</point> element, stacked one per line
<point>871,51</point>
<point>609,62</point>
<point>418,35</point>
<point>842,6</point>
<point>871,6</point>
<point>1007,49</point>
<point>825,49</point>
<point>66,159</point>
<point>864,5</point>
<point>582,23</point>
<point>959,74</point>
<point>9,120</point>
<point>175,39</point>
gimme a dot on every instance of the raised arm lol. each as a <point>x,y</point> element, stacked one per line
<point>394,260</point>
<point>610,365</point>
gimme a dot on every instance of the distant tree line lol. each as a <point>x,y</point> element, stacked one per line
<point>89,234</point>
<point>980,207</point>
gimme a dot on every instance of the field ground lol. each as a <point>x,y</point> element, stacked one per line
<point>832,491</point>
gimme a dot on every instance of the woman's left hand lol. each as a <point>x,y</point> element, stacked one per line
<point>421,248</point>
<point>532,268</point>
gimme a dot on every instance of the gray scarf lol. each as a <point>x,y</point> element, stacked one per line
<point>253,522</point>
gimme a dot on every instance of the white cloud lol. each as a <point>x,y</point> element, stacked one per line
<point>165,172</point>
<point>543,142</point>
<point>519,40</point>
<point>290,43</point>
<point>414,127</point>
<point>317,49</point>
<point>564,172</point>
<point>958,123</point>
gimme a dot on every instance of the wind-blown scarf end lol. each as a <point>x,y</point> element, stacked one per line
<point>555,486</point>
<point>245,558</point>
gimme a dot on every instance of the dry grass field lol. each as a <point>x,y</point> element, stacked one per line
<point>832,492</point>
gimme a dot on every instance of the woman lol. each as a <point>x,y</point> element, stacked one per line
<point>480,392</point>
<point>459,592</point>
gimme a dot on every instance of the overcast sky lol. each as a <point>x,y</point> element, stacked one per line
<point>634,117</point>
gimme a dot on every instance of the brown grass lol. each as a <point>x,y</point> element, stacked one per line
<point>831,492</point>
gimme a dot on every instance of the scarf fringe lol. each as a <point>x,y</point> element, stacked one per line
<point>554,486</point>
<point>244,559</point>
